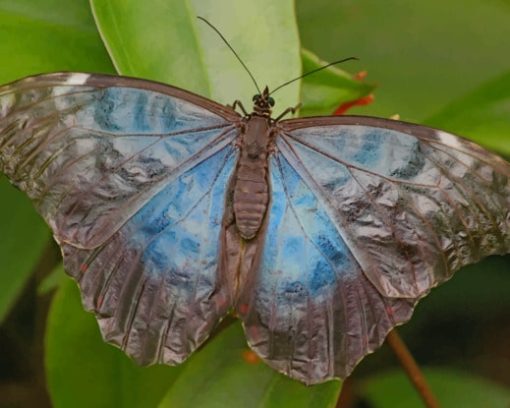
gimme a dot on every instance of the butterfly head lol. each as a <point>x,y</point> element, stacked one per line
<point>262,103</point>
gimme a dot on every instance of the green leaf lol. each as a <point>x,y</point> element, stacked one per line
<point>423,54</point>
<point>164,41</point>
<point>52,281</point>
<point>48,35</point>
<point>323,92</point>
<point>37,36</point>
<point>483,115</point>
<point>220,375</point>
<point>485,284</point>
<point>452,389</point>
<point>24,236</point>
<point>83,371</point>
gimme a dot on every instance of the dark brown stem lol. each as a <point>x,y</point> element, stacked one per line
<point>411,368</point>
<point>347,397</point>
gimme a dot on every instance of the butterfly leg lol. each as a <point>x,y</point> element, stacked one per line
<point>291,110</point>
<point>238,103</point>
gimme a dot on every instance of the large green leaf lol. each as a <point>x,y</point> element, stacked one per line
<point>23,238</point>
<point>483,115</point>
<point>223,375</point>
<point>452,389</point>
<point>423,54</point>
<point>52,281</point>
<point>48,35</point>
<point>83,371</point>
<point>163,40</point>
<point>37,36</point>
<point>76,355</point>
<point>323,92</point>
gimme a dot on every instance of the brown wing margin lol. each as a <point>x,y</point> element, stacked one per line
<point>421,132</point>
<point>105,81</point>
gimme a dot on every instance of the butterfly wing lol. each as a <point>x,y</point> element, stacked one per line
<point>132,178</point>
<point>307,307</point>
<point>155,285</point>
<point>90,150</point>
<point>366,216</point>
<point>414,204</point>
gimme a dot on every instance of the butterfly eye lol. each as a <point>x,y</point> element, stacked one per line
<point>271,101</point>
<point>255,97</point>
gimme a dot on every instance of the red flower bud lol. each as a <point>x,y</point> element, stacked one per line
<point>344,107</point>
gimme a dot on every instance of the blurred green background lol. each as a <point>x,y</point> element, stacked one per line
<point>445,64</point>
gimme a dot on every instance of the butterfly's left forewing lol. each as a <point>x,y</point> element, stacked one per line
<point>132,178</point>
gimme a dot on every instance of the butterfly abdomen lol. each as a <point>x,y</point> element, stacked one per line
<point>251,190</point>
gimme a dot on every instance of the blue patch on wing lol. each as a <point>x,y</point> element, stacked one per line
<point>131,110</point>
<point>383,151</point>
<point>180,226</point>
<point>302,244</point>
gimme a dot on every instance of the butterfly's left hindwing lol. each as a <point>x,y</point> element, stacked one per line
<point>132,177</point>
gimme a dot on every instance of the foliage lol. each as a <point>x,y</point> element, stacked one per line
<point>482,115</point>
<point>452,388</point>
<point>162,40</point>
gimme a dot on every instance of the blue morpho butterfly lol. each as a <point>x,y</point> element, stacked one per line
<point>171,210</point>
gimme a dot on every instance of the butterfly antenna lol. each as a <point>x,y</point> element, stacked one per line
<point>313,72</point>
<point>231,49</point>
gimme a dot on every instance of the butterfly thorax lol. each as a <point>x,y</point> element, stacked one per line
<point>251,187</point>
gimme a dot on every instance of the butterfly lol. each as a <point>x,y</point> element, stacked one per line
<point>172,210</point>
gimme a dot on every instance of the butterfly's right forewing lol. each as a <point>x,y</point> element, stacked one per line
<point>91,150</point>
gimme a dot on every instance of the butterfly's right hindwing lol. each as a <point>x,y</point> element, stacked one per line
<point>308,309</point>
<point>156,285</point>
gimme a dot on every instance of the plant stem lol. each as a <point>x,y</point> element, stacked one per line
<point>411,368</point>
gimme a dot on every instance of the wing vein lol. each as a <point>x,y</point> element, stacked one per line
<point>133,310</point>
<point>451,201</point>
<point>323,197</point>
<point>301,226</point>
<point>383,219</point>
<point>464,193</point>
<point>176,172</point>
<point>350,165</point>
